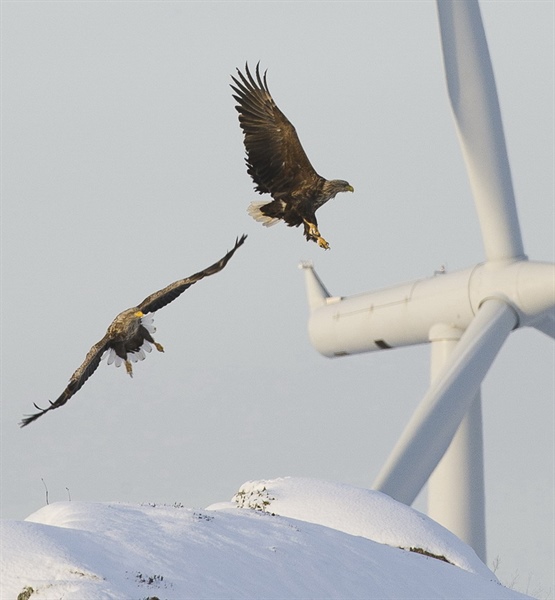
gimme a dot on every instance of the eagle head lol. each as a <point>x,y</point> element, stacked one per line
<point>333,187</point>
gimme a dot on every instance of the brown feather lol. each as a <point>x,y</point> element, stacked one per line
<point>159,299</point>
<point>77,380</point>
<point>276,159</point>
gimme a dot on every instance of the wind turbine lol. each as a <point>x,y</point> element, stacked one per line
<point>465,315</point>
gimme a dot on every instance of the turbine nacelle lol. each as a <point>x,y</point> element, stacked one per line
<point>407,314</point>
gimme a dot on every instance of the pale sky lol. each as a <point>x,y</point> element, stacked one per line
<point>123,170</point>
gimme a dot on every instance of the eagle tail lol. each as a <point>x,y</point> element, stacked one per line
<point>256,212</point>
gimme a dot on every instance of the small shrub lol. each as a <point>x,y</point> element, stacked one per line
<point>25,594</point>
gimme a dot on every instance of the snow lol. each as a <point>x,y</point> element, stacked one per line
<point>282,538</point>
<point>353,510</point>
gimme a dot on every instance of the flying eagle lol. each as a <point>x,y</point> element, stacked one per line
<point>130,334</point>
<point>277,162</point>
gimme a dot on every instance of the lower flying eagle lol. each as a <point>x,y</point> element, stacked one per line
<point>130,334</point>
<point>277,162</point>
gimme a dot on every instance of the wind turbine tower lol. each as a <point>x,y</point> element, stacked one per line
<point>465,316</point>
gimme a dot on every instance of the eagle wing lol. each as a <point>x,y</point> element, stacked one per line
<point>159,299</point>
<point>276,160</point>
<point>78,379</point>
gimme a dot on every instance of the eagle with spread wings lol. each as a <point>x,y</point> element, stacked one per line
<point>130,334</point>
<point>277,162</point>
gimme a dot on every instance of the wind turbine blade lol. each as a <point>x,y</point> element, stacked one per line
<point>475,105</point>
<point>434,423</point>
<point>547,324</point>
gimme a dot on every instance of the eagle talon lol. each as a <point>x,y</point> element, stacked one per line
<point>159,347</point>
<point>129,368</point>
<point>322,243</point>
<point>311,231</point>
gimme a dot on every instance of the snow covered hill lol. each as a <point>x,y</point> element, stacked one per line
<point>283,538</point>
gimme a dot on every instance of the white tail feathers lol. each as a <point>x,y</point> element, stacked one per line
<point>255,212</point>
<point>114,358</point>
<point>131,356</point>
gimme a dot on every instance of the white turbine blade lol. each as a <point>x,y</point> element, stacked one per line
<point>547,324</point>
<point>475,105</point>
<point>434,423</point>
